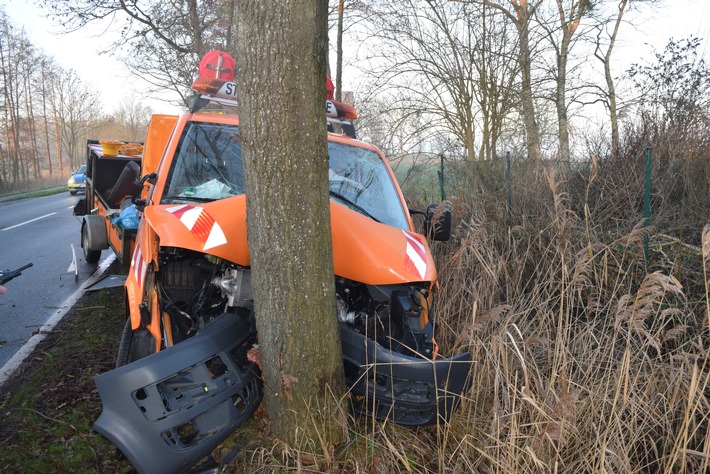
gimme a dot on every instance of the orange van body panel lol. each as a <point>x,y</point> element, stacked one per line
<point>175,228</point>
<point>157,136</point>
<point>363,250</point>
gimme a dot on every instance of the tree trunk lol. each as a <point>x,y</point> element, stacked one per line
<point>281,59</point>
<point>339,53</point>
<point>522,12</point>
<point>532,130</point>
<point>569,22</point>
<point>613,114</point>
<point>560,98</point>
<point>44,119</point>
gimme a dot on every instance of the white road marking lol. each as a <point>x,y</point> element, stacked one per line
<point>11,365</point>
<point>27,222</point>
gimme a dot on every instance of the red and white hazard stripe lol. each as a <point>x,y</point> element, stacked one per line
<point>415,255</point>
<point>139,265</point>
<point>202,225</point>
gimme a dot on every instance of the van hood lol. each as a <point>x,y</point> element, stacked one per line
<point>363,250</point>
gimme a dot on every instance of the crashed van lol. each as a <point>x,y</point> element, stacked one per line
<point>183,380</point>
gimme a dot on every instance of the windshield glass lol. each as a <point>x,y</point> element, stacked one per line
<point>208,167</point>
<point>208,164</point>
<point>360,180</point>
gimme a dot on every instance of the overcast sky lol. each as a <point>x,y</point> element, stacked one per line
<point>676,18</point>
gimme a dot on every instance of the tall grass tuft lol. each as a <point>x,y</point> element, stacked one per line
<point>588,357</point>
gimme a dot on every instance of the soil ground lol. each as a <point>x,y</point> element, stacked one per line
<point>49,405</point>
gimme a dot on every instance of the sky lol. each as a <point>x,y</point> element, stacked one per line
<point>79,51</point>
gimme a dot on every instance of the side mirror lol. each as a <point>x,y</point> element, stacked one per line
<point>437,223</point>
<point>150,178</point>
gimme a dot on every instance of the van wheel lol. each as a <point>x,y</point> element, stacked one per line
<point>134,345</point>
<point>91,256</point>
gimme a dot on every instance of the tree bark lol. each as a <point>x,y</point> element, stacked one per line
<point>520,16</point>
<point>339,53</point>
<point>281,60</point>
<point>611,90</point>
<point>569,22</point>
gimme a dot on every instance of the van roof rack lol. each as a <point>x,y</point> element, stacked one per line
<point>224,93</point>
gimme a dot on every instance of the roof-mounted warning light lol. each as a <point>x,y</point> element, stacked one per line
<point>216,84</point>
<point>335,109</point>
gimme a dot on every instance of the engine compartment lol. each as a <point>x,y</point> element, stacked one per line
<point>196,288</point>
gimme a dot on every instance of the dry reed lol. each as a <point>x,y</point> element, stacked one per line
<point>588,358</point>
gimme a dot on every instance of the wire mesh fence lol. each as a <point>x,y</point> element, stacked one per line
<point>614,195</point>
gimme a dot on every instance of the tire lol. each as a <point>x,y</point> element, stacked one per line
<point>134,345</point>
<point>93,237</point>
<point>72,192</point>
<point>91,256</point>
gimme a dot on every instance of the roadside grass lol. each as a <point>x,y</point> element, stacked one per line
<point>588,357</point>
<point>43,186</point>
<point>50,404</point>
<point>33,194</point>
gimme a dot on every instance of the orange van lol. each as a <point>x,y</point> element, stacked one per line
<point>183,381</point>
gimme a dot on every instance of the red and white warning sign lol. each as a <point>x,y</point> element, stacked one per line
<point>202,225</point>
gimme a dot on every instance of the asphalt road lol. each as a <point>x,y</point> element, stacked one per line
<point>41,231</point>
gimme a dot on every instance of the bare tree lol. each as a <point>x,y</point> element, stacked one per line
<point>424,54</point>
<point>498,71</point>
<point>76,108</point>
<point>11,45</point>
<point>281,61</point>
<point>161,42</point>
<point>674,97</point>
<point>604,45</point>
<point>569,16</point>
<point>42,89</point>
<point>521,13</point>
<point>605,58</point>
<point>133,117</point>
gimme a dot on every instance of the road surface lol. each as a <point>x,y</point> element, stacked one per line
<point>41,231</point>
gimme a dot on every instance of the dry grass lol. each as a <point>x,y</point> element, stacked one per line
<point>588,358</point>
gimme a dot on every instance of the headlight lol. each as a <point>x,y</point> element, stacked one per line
<point>71,181</point>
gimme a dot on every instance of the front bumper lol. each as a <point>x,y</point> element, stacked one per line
<point>408,390</point>
<point>167,411</point>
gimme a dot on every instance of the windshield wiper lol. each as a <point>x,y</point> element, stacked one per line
<point>187,198</point>
<point>354,206</point>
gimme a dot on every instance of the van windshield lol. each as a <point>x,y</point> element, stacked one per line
<point>208,167</point>
<point>208,164</point>
<point>360,180</point>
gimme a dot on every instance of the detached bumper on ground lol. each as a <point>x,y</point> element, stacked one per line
<point>167,411</point>
<point>407,390</point>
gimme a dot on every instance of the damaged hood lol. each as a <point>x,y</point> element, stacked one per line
<point>364,250</point>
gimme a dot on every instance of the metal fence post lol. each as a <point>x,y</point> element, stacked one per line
<point>441,178</point>
<point>647,203</point>
<point>510,186</point>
